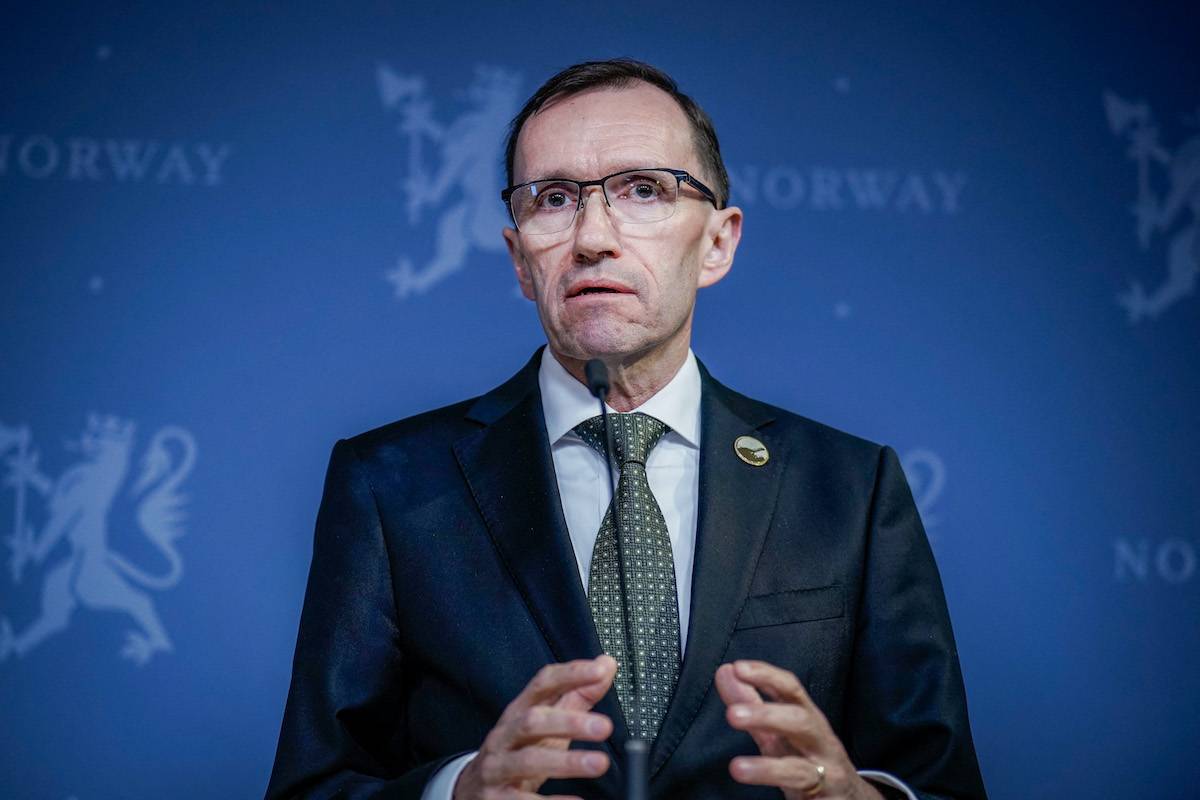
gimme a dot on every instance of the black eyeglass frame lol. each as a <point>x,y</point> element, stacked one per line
<point>681,176</point>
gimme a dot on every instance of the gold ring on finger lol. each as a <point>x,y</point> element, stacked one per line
<point>816,788</point>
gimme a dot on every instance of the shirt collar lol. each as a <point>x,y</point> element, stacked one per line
<point>566,402</point>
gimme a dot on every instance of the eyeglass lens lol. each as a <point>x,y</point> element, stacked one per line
<point>549,206</point>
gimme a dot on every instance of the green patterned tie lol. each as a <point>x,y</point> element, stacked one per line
<point>651,604</point>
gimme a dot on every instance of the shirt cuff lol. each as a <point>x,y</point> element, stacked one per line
<point>884,779</point>
<point>441,785</point>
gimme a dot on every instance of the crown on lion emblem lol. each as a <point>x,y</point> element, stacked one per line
<point>109,427</point>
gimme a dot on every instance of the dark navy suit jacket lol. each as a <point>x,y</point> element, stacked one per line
<point>443,578</point>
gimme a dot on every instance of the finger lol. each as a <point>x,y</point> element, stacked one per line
<point>554,680</point>
<point>791,772</point>
<point>795,723</point>
<point>781,685</point>
<point>733,689</point>
<point>545,688</point>
<point>541,763</point>
<point>555,684</point>
<point>775,683</point>
<point>512,793</point>
<point>543,722</point>
<point>583,697</point>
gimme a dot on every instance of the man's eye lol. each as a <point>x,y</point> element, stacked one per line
<point>645,190</point>
<point>554,199</point>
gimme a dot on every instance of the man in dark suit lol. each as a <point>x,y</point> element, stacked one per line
<point>764,580</point>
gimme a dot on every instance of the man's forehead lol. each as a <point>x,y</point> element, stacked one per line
<point>606,129</point>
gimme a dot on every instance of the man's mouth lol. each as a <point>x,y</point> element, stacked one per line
<point>587,288</point>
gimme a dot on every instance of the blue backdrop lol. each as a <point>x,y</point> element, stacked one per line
<point>230,236</point>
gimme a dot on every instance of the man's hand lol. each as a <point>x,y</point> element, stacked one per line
<point>800,752</point>
<point>529,743</point>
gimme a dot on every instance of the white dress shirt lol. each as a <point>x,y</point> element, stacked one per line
<point>672,466</point>
<point>673,470</point>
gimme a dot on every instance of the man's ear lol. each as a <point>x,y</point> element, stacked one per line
<point>721,237</point>
<point>520,267</point>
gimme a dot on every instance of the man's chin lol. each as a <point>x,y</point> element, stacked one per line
<point>610,349</point>
<point>590,338</point>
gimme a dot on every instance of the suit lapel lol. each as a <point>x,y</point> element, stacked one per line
<point>510,472</point>
<point>736,504</point>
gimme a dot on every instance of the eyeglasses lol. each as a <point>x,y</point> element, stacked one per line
<point>633,195</point>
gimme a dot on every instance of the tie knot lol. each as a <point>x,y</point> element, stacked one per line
<point>634,435</point>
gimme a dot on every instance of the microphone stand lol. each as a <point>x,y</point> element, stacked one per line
<point>637,750</point>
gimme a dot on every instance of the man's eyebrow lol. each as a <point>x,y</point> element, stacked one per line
<point>554,173</point>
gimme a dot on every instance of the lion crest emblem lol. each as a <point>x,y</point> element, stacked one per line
<point>452,169</point>
<point>69,541</point>
<point>1167,204</point>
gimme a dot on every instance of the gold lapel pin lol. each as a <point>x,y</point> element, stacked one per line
<point>751,450</point>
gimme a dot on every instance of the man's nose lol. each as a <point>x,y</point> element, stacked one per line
<point>595,236</point>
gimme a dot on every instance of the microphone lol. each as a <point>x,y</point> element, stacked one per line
<point>637,751</point>
<point>597,379</point>
<point>597,382</point>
